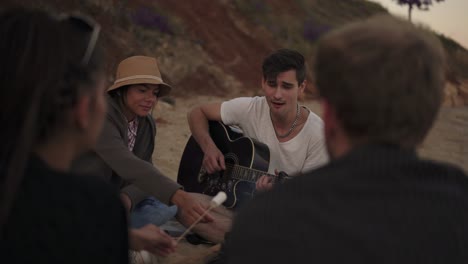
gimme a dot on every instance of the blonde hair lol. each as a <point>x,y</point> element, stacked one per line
<point>384,77</point>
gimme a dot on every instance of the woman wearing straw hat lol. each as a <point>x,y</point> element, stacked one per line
<point>124,151</point>
<point>127,143</point>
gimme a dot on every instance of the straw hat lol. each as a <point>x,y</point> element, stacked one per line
<point>139,70</point>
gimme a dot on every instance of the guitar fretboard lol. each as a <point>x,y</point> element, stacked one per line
<point>248,174</point>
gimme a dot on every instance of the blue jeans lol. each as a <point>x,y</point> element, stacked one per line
<point>151,211</point>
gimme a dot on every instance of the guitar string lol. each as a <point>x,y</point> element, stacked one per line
<point>243,169</point>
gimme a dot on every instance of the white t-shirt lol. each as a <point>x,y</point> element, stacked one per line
<point>302,153</point>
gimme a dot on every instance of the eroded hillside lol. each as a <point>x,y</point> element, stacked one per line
<point>216,47</point>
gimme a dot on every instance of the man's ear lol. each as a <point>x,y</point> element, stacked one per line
<point>301,92</point>
<point>303,86</point>
<point>82,113</point>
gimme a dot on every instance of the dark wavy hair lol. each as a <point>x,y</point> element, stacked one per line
<point>41,76</point>
<point>284,60</point>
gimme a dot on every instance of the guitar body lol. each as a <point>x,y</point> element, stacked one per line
<point>239,153</point>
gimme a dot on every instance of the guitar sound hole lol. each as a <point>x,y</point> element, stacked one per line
<point>202,175</point>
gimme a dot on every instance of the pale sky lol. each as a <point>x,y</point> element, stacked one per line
<point>449,17</point>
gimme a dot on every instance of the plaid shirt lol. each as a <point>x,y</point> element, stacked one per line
<point>132,132</point>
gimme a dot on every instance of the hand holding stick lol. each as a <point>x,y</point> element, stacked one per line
<point>215,202</point>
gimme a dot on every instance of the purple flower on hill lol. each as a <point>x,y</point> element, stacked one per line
<point>145,17</point>
<point>313,30</point>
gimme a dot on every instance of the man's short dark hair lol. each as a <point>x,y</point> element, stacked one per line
<point>384,78</point>
<point>284,60</point>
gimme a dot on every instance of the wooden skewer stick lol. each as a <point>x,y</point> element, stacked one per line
<point>215,202</point>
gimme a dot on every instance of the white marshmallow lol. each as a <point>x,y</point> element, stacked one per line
<point>219,198</point>
<point>146,257</point>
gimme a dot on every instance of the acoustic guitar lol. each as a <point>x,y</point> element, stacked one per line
<point>246,161</point>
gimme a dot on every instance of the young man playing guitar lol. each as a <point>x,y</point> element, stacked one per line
<point>292,133</point>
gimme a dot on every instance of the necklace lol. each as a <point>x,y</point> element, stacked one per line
<point>298,111</point>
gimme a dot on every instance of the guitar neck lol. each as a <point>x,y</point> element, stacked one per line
<point>248,174</point>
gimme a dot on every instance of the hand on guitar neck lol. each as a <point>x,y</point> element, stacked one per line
<point>265,182</point>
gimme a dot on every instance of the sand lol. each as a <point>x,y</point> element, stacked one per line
<point>447,141</point>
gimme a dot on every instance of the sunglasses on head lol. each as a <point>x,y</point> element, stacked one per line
<point>89,24</point>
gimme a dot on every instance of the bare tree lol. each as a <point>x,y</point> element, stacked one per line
<point>420,4</point>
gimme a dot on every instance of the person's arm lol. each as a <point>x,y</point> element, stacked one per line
<point>131,195</point>
<point>198,118</point>
<point>142,174</point>
<point>126,201</point>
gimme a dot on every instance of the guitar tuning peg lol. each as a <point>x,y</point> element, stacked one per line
<point>282,176</point>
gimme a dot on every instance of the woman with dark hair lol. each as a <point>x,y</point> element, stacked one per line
<point>52,109</point>
<point>123,153</point>
<point>127,142</point>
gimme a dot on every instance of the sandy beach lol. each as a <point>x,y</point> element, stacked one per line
<point>447,142</point>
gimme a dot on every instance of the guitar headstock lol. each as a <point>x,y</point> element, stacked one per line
<point>283,176</point>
